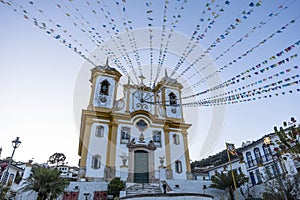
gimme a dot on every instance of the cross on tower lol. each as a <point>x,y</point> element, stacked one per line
<point>142,78</point>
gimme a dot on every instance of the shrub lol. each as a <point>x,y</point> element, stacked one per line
<point>115,186</point>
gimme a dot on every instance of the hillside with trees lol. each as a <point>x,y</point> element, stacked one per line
<point>213,160</point>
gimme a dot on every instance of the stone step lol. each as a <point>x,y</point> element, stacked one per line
<point>143,189</point>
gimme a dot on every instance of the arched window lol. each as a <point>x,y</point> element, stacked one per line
<point>99,131</point>
<point>157,138</point>
<point>178,166</point>
<point>96,161</point>
<point>257,155</point>
<point>258,176</point>
<point>249,159</point>
<point>10,179</point>
<point>141,125</point>
<point>125,135</point>
<point>104,87</point>
<point>172,98</point>
<point>252,178</point>
<point>267,153</point>
<point>176,139</point>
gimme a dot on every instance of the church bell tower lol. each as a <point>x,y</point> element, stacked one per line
<point>104,80</point>
<point>97,127</point>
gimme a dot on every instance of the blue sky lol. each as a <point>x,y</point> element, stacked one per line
<point>39,75</point>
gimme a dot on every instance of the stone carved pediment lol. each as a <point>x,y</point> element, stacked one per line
<point>146,146</point>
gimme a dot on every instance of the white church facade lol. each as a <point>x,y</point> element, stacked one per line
<point>141,137</point>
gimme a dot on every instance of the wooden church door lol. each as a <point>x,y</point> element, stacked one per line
<point>141,167</point>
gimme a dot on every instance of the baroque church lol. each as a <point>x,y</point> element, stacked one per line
<point>141,138</point>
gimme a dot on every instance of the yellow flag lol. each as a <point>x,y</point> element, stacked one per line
<point>230,148</point>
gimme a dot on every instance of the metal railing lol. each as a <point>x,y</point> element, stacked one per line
<point>258,161</point>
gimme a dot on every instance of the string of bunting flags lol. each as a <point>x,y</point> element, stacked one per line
<point>264,41</point>
<point>251,31</point>
<point>87,25</point>
<point>127,26</point>
<point>163,33</point>
<point>257,70</point>
<point>194,39</point>
<point>281,73</point>
<point>163,53</point>
<point>150,18</point>
<point>244,15</point>
<point>244,100</point>
<point>278,85</point>
<point>20,10</point>
<point>118,42</point>
<point>55,33</point>
<point>90,31</point>
<point>238,77</point>
<point>112,26</point>
<point>242,76</point>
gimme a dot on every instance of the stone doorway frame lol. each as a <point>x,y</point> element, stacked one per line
<point>150,151</point>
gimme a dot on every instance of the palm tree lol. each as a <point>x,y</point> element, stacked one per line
<point>224,181</point>
<point>46,182</point>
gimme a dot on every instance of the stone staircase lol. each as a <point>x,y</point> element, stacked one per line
<point>146,188</point>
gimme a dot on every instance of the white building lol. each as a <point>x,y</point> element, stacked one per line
<point>200,174</point>
<point>68,172</point>
<point>262,162</point>
<point>11,172</point>
<point>225,167</point>
<point>135,136</point>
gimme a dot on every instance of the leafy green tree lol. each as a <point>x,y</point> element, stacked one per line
<point>214,160</point>
<point>289,138</point>
<point>46,182</point>
<point>288,142</point>
<point>224,181</point>
<point>115,186</point>
<point>57,158</point>
<point>273,190</point>
<point>3,191</point>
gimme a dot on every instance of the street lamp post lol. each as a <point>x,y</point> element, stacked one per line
<point>204,188</point>
<point>15,144</point>
<point>87,195</point>
<point>267,142</point>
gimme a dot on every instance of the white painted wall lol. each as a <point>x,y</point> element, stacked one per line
<point>193,186</point>
<point>97,146</point>
<point>177,153</point>
<point>86,187</point>
<point>120,105</point>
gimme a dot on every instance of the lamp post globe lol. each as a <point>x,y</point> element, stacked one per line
<point>267,140</point>
<point>15,144</point>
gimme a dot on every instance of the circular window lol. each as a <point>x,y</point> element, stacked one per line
<point>141,125</point>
